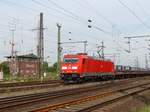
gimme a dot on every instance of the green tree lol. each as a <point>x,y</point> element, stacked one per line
<point>5,68</point>
<point>0,67</point>
<point>45,67</point>
<point>53,68</point>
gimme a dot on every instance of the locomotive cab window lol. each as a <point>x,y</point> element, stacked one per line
<point>70,60</point>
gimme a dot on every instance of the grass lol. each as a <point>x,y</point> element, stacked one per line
<point>52,75</point>
<point>144,109</point>
<point>49,76</point>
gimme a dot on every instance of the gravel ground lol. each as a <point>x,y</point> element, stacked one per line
<point>62,99</point>
<point>62,87</point>
<point>40,90</point>
<point>131,104</point>
<point>55,88</point>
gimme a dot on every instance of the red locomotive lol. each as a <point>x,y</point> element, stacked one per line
<point>81,67</point>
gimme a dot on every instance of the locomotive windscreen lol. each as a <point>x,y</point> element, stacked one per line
<point>70,60</point>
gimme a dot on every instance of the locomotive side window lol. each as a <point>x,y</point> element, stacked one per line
<point>70,60</point>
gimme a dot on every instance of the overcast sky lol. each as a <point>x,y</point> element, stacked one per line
<point>113,19</point>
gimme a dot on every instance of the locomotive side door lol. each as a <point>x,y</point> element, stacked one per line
<point>85,65</point>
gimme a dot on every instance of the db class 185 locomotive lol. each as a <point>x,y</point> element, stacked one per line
<point>81,67</point>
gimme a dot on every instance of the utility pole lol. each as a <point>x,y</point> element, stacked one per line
<point>13,59</point>
<point>137,62</point>
<point>58,49</point>
<point>85,44</point>
<point>102,50</point>
<point>12,53</point>
<point>15,62</point>
<point>146,61</point>
<point>40,46</point>
<point>148,52</point>
<point>12,44</point>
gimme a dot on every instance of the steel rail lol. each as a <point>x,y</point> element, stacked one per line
<point>33,98</point>
<point>19,84</point>
<point>100,105</point>
<point>84,99</point>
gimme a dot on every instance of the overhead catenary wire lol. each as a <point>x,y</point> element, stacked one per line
<point>134,14</point>
<point>13,3</point>
<point>43,5</point>
<point>20,5</point>
<point>59,11</point>
<point>141,7</point>
<point>100,29</point>
<point>93,9</point>
<point>97,12</point>
<point>67,11</point>
<point>29,9</point>
<point>74,18</point>
<point>96,28</point>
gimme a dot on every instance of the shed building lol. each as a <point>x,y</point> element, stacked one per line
<point>24,65</point>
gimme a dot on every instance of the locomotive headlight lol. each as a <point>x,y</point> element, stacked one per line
<point>63,67</point>
<point>74,67</point>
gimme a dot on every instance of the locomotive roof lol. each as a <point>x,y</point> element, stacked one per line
<point>75,55</point>
<point>83,56</point>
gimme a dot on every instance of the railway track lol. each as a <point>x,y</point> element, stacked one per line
<point>13,87</point>
<point>17,84</point>
<point>12,102</point>
<point>79,105</point>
